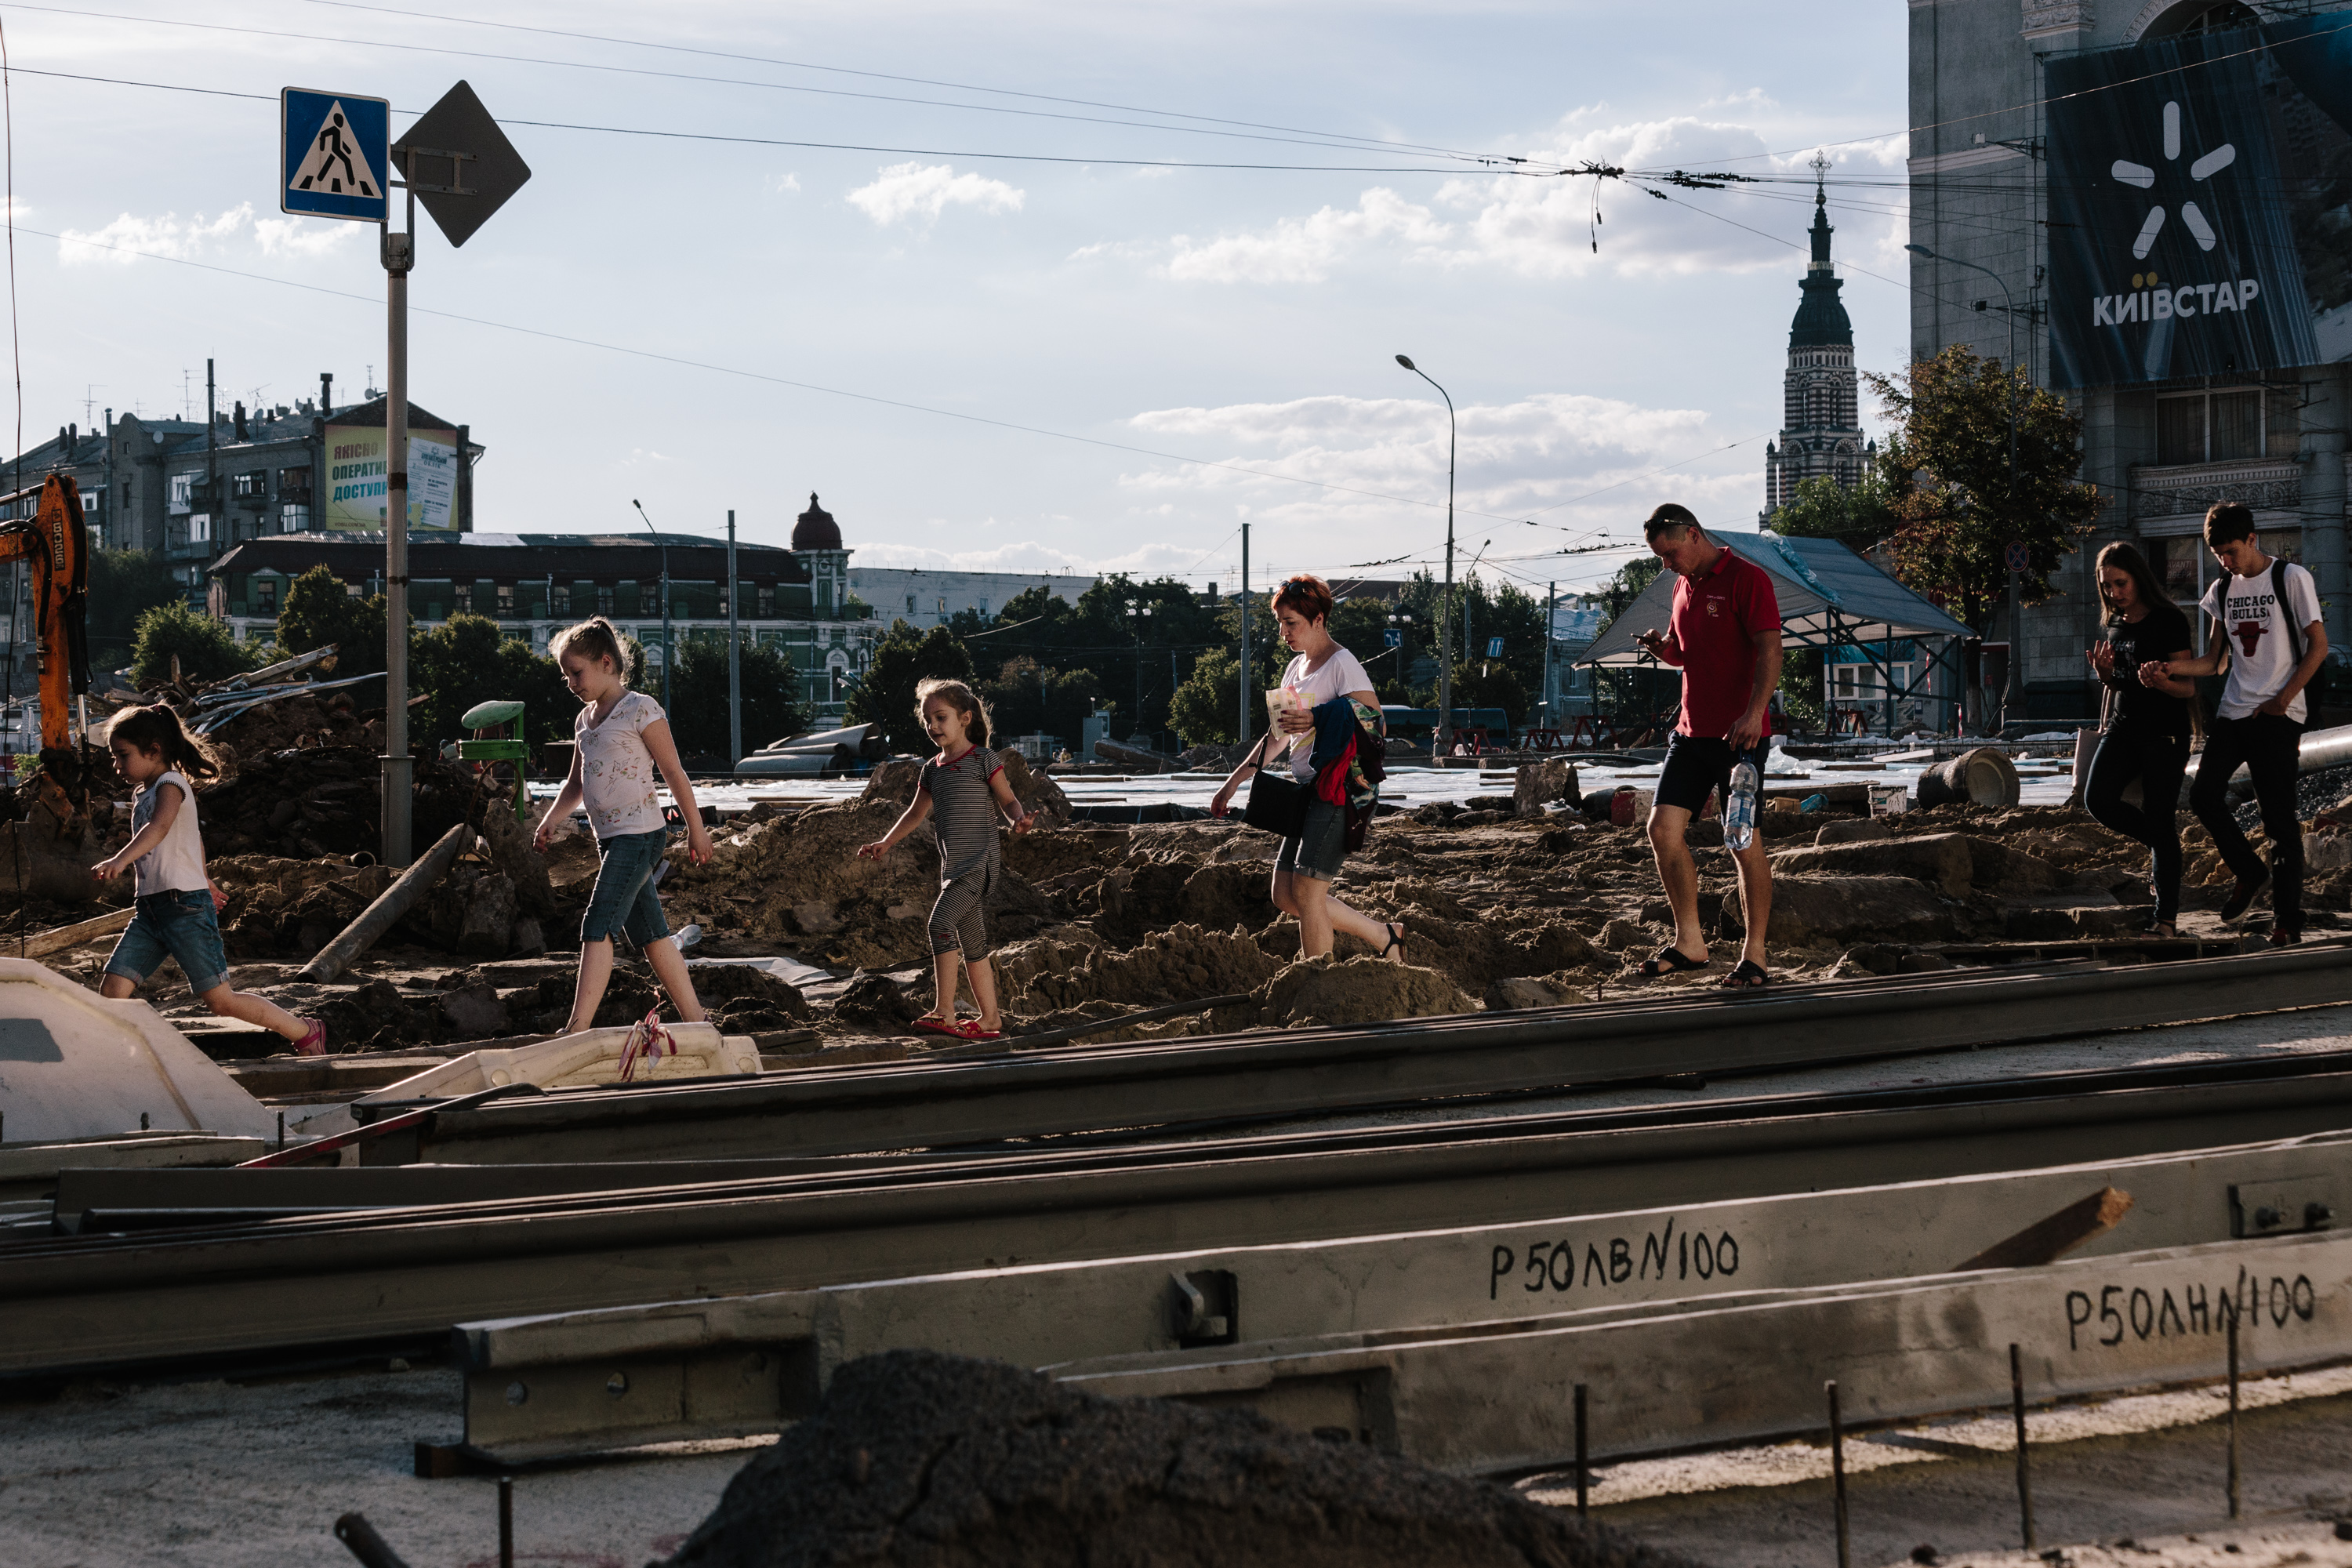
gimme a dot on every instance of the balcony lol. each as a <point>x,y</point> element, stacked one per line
<point>2266,484</point>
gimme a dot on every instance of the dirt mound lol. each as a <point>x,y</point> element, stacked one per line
<point>915,1457</point>
<point>1355,990</point>
<point>326,719</point>
<point>290,909</point>
<point>1173,965</point>
<point>799,883</point>
<point>742,999</point>
<point>894,782</point>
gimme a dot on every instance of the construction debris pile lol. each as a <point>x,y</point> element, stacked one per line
<point>914,1456</point>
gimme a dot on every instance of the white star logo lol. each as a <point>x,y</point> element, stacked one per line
<point>2205,168</point>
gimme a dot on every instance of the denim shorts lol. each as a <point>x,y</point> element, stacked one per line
<point>625,899</point>
<point>181,925</point>
<point>1321,847</point>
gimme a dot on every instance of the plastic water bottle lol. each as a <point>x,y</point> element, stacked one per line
<point>1739,809</point>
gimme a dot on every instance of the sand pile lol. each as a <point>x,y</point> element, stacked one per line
<point>916,1458</point>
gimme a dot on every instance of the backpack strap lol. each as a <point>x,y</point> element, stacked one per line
<point>2286,608</point>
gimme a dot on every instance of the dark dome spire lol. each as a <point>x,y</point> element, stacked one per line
<point>1820,319</point>
<point>817,531</point>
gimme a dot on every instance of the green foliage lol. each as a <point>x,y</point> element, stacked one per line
<point>206,650</point>
<point>903,657</point>
<point>697,705</point>
<point>1025,698</point>
<point>1629,583</point>
<point>1823,508</point>
<point>1490,685</point>
<point>1801,692</point>
<point>124,586</point>
<point>319,610</point>
<point>1206,710</point>
<point>1946,471</point>
<point>468,660</point>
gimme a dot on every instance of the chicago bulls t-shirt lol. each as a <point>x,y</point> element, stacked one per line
<point>2261,655</point>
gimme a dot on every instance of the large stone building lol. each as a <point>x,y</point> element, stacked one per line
<point>1821,436</point>
<point>924,597</point>
<point>794,601</point>
<point>2082,152</point>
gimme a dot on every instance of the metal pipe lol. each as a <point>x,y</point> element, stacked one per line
<point>506,1522</point>
<point>2017,1410</point>
<point>399,766</point>
<point>2235,1499</point>
<point>1583,1467</point>
<point>355,1532</point>
<point>1837,1478</point>
<point>393,902</point>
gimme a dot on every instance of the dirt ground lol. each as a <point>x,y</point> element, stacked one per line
<point>1090,922</point>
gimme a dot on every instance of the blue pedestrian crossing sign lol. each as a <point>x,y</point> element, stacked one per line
<point>1494,647</point>
<point>1395,637</point>
<point>334,155</point>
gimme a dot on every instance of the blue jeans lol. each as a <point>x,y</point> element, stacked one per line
<point>625,899</point>
<point>180,925</point>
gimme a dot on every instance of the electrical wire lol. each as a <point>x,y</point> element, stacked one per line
<point>1457,159</point>
<point>774,380</point>
<point>1375,142</point>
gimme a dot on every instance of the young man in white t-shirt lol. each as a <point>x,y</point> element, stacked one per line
<point>2267,632</point>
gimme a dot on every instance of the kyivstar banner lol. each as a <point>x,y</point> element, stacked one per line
<point>2198,216</point>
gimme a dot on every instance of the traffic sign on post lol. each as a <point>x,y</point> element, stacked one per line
<point>1494,647</point>
<point>460,164</point>
<point>1395,637</point>
<point>333,157</point>
<point>2016,557</point>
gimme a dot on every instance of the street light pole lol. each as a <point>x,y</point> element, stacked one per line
<point>1245,720</point>
<point>2012,695</point>
<point>667,658</point>
<point>1445,738</point>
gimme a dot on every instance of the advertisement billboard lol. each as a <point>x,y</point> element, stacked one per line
<point>2197,214</point>
<point>356,473</point>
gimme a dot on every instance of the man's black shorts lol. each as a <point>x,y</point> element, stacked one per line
<point>1698,764</point>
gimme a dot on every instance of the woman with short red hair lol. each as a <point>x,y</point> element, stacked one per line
<point>1322,673</point>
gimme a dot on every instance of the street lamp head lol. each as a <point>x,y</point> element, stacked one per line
<point>1407,363</point>
<point>1921,250</point>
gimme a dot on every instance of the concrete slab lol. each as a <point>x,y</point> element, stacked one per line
<point>75,1065</point>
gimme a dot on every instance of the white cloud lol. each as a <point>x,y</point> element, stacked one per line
<point>1513,459</point>
<point>783,183</point>
<point>1546,227</point>
<point>923,190</point>
<point>165,236</point>
<point>301,237</point>
<point>1304,250</point>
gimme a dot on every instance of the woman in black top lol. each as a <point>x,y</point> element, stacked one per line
<point>2146,729</point>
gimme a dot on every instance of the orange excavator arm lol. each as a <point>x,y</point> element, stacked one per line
<point>55,544</point>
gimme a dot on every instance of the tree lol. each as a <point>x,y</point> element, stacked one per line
<point>469,660</point>
<point>1207,707</point>
<point>699,714</point>
<point>319,609</point>
<point>206,649</point>
<point>903,657</point>
<point>124,586</point>
<point>1823,508</point>
<point>1026,698</point>
<point>1946,470</point>
<point>1489,685</point>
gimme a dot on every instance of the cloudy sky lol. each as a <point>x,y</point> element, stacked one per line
<point>1080,358</point>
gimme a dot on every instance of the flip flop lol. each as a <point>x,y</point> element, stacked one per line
<point>1749,976</point>
<point>1671,960</point>
<point>977,1036</point>
<point>936,1027</point>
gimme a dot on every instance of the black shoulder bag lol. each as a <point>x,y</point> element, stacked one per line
<point>1277,803</point>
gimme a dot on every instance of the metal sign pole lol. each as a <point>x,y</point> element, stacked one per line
<point>734,653</point>
<point>399,767</point>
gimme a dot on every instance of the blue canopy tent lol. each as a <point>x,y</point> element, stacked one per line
<point>1830,598</point>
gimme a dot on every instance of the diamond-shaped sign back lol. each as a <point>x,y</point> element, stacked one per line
<point>460,192</point>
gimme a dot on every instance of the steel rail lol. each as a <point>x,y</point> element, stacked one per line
<point>99,1300</point>
<point>1325,1071</point>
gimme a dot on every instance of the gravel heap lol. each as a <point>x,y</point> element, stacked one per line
<point>918,1459</point>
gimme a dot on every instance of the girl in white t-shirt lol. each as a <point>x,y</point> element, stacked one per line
<point>177,910</point>
<point>1320,670</point>
<point>621,744</point>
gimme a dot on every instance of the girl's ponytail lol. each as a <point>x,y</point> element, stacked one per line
<point>156,727</point>
<point>593,639</point>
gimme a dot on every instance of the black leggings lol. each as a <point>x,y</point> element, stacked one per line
<point>2271,746</point>
<point>2129,752</point>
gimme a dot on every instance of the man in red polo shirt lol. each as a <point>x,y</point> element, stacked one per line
<point>1724,635</point>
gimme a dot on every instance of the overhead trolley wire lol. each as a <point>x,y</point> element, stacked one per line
<point>1455,160</point>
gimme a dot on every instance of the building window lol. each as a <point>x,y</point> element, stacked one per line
<point>2230,424</point>
<point>293,517</point>
<point>463,595</point>
<point>604,599</point>
<point>200,528</point>
<point>767,601</point>
<point>251,486</point>
<point>265,595</point>
<point>506,601</point>
<point>560,599</point>
<point>294,482</point>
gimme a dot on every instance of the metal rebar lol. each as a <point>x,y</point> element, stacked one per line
<point>2024,1477</point>
<point>355,1532</point>
<point>2234,1499</point>
<point>1584,1475</point>
<point>1837,1476</point>
<point>506,1522</point>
